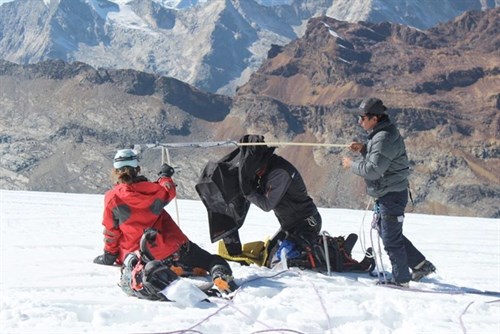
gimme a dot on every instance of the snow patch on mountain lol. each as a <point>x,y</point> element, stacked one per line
<point>187,39</point>
<point>126,17</point>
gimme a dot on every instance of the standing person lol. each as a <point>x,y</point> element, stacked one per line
<point>385,168</point>
<point>273,183</point>
<point>134,219</point>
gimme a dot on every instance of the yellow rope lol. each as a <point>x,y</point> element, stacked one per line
<point>231,143</point>
<point>292,144</point>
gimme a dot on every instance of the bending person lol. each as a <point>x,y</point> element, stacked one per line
<point>273,183</point>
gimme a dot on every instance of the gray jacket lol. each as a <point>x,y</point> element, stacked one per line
<point>385,166</point>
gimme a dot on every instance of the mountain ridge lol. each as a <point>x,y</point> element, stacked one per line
<point>61,123</point>
<point>430,84</point>
<point>223,41</point>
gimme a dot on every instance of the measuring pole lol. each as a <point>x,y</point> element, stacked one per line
<point>165,157</point>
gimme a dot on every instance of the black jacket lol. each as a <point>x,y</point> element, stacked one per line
<point>255,174</point>
<point>281,189</point>
<point>219,190</point>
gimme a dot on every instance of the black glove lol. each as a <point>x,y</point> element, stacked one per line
<point>166,171</point>
<point>107,259</point>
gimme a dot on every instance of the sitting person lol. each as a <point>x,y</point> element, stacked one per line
<point>140,235</point>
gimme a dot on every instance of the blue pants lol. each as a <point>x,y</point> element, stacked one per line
<point>402,253</point>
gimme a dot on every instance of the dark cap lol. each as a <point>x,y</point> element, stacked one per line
<point>373,106</point>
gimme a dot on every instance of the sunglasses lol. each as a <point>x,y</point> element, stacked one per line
<point>361,118</point>
<point>126,158</point>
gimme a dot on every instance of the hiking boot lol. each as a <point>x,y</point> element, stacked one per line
<point>223,280</point>
<point>368,263</point>
<point>225,285</point>
<point>392,282</point>
<point>349,242</point>
<point>423,269</point>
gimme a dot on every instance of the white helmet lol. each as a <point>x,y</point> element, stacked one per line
<point>126,157</point>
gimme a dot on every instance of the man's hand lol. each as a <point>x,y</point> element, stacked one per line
<point>106,259</point>
<point>355,147</point>
<point>346,162</point>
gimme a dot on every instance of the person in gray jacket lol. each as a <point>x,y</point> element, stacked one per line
<point>385,168</point>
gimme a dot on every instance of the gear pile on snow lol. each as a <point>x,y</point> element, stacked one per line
<point>145,277</point>
<point>325,254</point>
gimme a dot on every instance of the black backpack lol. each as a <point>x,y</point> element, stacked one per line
<point>336,256</point>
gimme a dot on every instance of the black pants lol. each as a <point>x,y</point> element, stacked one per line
<point>306,229</point>
<point>402,253</point>
<point>195,256</point>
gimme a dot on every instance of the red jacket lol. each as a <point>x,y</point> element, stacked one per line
<point>129,209</point>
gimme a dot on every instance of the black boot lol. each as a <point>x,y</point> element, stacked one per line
<point>223,279</point>
<point>423,269</point>
<point>368,262</point>
<point>349,242</point>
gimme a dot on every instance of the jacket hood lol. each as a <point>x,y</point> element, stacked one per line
<point>251,159</point>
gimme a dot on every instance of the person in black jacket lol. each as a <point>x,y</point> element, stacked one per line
<point>254,174</point>
<point>273,183</point>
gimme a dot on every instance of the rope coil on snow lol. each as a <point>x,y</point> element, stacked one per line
<point>321,303</point>
<point>464,330</point>
<point>229,303</point>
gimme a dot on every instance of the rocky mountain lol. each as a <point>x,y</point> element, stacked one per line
<point>60,123</point>
<point>214,45</point>
<point>442,87</point>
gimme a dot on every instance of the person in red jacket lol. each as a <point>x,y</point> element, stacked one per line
<point>135,222</point>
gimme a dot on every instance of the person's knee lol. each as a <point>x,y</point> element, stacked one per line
<point>392,219</point>
<point>218,261</point>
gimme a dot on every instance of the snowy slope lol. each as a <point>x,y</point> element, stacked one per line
<point>49,284</point>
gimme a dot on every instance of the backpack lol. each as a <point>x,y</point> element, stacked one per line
<point>324,252</point>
